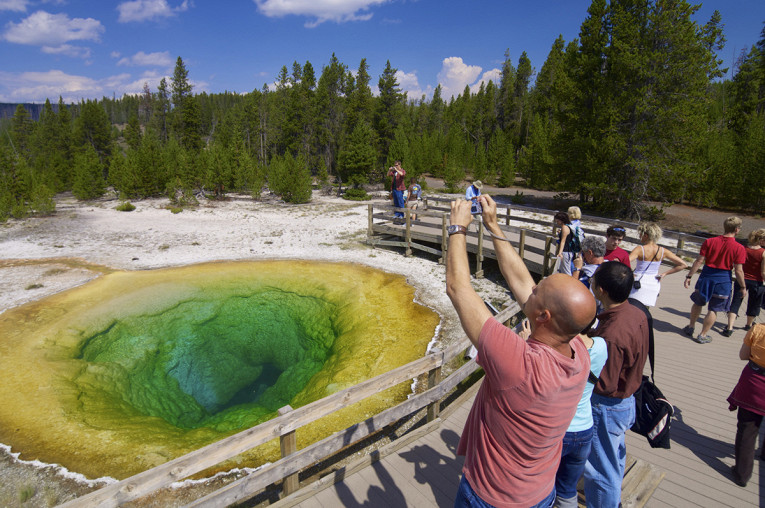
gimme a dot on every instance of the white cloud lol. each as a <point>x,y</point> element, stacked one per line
<point>493,75</point>
<point>142,59</point>
<point>13,5</point>
<point>409,83</point>
<point>38,86</point>
<point>147,10</point>
<point>52,30</point>
<point>455,75</point>
<point>339,11</point>
<point>67,50</point>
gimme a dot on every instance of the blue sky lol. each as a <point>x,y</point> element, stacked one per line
<point>90,49</point>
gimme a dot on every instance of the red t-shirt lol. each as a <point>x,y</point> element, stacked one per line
<point>618,254</point>
<point>513,435</point>
<point>722,252</point>
<point>753,264</point>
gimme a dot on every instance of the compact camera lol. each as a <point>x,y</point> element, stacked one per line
<point>476,208</point>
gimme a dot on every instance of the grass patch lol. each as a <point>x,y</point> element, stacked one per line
<point>164,246</point>
<point>33,286</point>
<point>176,209</point>
<point>26,493</point>
<point>54,271</point>
<point>126,206</point>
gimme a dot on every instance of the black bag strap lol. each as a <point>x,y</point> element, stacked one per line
<point>639,305</point>
<point>646,268</point>
<point>593,378</point>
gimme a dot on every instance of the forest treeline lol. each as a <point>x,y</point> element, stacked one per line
<point>633,110</point>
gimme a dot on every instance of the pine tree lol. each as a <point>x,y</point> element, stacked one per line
<point>88,174</point>
<point>389,109</point>
<point>186,115</point>
<point>358,157</point>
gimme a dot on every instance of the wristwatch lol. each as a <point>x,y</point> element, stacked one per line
<point>456,229</point>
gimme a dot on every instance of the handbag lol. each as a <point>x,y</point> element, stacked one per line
<point>653,412</point>
<point>636,284</point>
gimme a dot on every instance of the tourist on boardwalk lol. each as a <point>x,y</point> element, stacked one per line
<point>593,250</point>
<point>625,330</point>
<point>648,257</point>
<point>414,194</point>
<point>471,194</point>
<point>575,216</point>
<point>512,439</point>
<point>578,438</point>
<point>566,247</point>
<point>720,255</point>
<point>397,186</point>
<point>754,273</point>
<point>614,236</point>
<point>749,397</point>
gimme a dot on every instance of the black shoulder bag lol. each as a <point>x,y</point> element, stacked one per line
<point>653,412</point>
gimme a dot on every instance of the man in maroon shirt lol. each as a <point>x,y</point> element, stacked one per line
<point>614,236</point>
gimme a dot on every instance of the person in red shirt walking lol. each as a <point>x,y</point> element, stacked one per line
<point>719,255</point>
<point>754,273</point>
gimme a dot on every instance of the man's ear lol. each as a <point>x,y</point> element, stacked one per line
<point>543,316</point>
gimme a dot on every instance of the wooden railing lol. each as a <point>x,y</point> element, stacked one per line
<point>432,220</point>
<point>287,424</point>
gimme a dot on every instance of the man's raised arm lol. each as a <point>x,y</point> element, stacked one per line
<point>510,263</point>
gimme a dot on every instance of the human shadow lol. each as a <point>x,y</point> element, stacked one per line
<point>711,451</point>
<point>387,495</point>
<point>438,471</point>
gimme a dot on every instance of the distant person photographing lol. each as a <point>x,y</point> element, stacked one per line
<point>397,187</point>
<point>513,437</point>
<point>471,194</point>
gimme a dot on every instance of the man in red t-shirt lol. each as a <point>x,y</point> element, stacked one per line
<point>513,436</point>
<point>614,236</point>
<point>719,255</point>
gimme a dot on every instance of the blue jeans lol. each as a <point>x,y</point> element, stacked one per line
<point>398,202</point>
<point>604,470</point>
<point>576,449</point>
<point>467,498</point>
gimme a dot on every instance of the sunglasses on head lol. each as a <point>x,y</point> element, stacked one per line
<point>620,230</point>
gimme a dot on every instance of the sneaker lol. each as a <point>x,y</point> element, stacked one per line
<point>688,331</point>
<point>747,328</point>
<point>702,339</point>
<point>727,332</point>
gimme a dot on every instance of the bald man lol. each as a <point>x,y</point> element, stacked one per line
<point>513,436</point>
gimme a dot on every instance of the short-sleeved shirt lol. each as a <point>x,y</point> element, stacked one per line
<point>472,192</point>
<point>598,354</point>
<point>722,252</point>
<point>618,254</point>
<point>513,435</point>
<point>753,264</point>
<point>625,329</point>
<point>755,339</point>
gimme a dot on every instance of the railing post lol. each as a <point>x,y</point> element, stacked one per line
<point>546,260</point>
<point>442,259</point>
<point>370,208</point>
<point>434,377</point>
<point>408,232</point>
<point>288,445</point>
<point>507,216</point>
<point>522,243</point>
<point>479,254</point>
<point>680,244</point>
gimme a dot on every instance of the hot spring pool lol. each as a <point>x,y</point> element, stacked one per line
<point>136,368</point>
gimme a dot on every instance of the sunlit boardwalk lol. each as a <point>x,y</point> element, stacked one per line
<point>697,378</point>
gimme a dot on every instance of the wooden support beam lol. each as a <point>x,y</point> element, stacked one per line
<point>288,446</point>
<point>434,377</point>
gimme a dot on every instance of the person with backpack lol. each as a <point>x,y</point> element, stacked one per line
<point>569,244</point>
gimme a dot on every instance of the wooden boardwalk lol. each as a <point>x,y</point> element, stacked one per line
<point>697,378</point>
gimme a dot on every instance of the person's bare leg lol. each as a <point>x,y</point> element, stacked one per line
<point>695,313</point>
<point>731,318</point>
<point>709,320</point>
<point>749,321</point>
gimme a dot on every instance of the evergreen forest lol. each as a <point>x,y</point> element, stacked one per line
<point>636,109</point>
